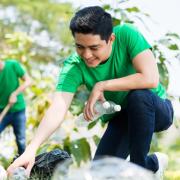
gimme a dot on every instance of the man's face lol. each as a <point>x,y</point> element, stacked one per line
<point>92,49</point>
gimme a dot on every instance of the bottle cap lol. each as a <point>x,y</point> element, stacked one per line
<point>117,107</point>
<point>106,104</point>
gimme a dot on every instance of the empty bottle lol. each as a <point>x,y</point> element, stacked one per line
<point>19,174</point>
<point>101,108</point>
<point>3,174</point>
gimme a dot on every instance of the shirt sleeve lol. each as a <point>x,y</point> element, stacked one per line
<point>70,78</point>
<point>19,69</point>
<point>133,40</point>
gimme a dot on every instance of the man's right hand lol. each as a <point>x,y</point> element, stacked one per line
<point>26,160</point>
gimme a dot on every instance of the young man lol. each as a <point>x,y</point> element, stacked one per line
<point>11,94</point>
<point>115,64</point>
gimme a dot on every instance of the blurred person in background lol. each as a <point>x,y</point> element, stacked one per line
<point>11,97</point>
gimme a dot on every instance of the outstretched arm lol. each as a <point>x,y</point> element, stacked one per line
<point>51,121</point>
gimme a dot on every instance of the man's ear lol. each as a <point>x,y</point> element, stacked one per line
<point>112,37</point>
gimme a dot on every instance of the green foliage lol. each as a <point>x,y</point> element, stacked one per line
<point>133,9</point>
<point>176,145</point>
<point>155,146</point>
<point>47,147</point>
<point>76,107</point>
<point>4,161</point>
<point>40,17</point>
<point>96,139</point>
<point>168,43</point>
<point>66,143</point>
<point>48,13</point>
<point>79,149</point>
<point>173,172</point>
<point>164,78</point>
<point>17,46</point>
<point>92,124</point>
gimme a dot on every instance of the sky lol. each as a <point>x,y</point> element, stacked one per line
<point>165,12</point>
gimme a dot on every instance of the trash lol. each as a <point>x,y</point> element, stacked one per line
<point>45,163</point>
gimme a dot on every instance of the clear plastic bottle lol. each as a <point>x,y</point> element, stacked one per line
<point>19,174</point>
<point>101,108</point>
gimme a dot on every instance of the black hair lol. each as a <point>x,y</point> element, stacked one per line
<point>92,20</point>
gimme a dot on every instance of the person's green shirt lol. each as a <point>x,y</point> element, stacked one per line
<point>128,43</point>
<point>9,82</point>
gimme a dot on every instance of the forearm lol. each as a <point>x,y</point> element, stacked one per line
<point>48,125</point>
<point>22,87</point>
<point>134,81</point>
<point>52,119</point>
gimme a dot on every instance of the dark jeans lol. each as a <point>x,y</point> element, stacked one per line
<point>18,121</point>
<point>130,132</point>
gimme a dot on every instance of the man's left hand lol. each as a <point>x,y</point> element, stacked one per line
<point>97,94</point>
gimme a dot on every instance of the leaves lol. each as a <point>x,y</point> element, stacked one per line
<point>133,9</point>
<point>173,47</point>
<point>164,78</point>
<point>96,139</point>
<point>92,124</point>
<point>80,150</point>
<point>116,21</point>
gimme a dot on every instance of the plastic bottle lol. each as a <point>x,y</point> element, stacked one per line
<point>101,108</point>
<point>3,174</point>
<point>19,174</point>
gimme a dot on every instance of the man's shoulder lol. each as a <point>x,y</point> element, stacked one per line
<point>11,61</point>
<point>14,65</point>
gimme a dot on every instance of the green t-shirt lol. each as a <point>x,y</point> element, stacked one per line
<point>9,82</point>
<point>128,43</point>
